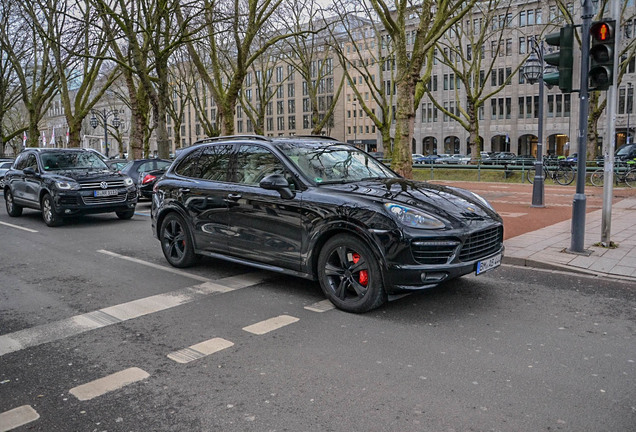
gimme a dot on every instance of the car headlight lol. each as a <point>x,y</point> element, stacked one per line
<point>482,200</point>
<point>128,181</point>
<point>414,218</point>
<point>67,185</point>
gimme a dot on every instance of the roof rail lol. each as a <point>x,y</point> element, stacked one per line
<point>232,137</point>
<point>325,137</point>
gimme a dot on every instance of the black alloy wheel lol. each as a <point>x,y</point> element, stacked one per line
<point>13,209</point>
<point>176,241</point>
<point>349,274</point>
<point>50,216</point>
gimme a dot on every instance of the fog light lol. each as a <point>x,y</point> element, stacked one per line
<point>433,277</point>
<point>67,211</point>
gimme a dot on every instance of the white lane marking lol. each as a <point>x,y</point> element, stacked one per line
<point>17,417</point>
<point>78,324</point>
<point>18,227</point>
<point>200,350</point>
<point>321,306</point>
<point>108,383</point>
<point>153,265</point>
<point>271,324</point>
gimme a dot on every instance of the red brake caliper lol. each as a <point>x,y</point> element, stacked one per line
<point>363,275</point>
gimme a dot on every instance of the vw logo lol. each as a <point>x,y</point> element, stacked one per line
<point>103,185</point>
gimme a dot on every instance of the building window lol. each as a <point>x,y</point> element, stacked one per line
<point>550,106</point>
<point>522,45</point>
<point>292,122</point>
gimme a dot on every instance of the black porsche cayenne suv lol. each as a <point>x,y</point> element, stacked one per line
<point>66,182</point>
<point>320,209</point>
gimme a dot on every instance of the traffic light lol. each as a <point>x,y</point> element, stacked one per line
<point>602,54</point>
<point>561,59</point>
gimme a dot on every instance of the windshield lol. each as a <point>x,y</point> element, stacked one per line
<point>334,163</point>
<point>71,160</point>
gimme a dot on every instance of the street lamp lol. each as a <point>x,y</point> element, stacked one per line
<point>533,72</point>
<point>103,116</point>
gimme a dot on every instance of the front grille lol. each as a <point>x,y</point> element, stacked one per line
<point>68,200</point>
<point>98,184</point>
<point>114,199</point>
<point>430,252</point>
<point>481,244</point>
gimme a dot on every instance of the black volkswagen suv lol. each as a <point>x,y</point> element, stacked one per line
<point>66,182</point>
<point>320,209</point>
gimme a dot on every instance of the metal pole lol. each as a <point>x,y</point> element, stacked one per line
<point>105,120</point>
<point>538,186</point>
<point>610,135</point>
<point>579,202</point>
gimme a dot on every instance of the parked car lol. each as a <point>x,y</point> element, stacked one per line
<point>525,160</point>
<point>428,159</point>
<point>66,182</point>
<point>147,182</point>
<point>454,159</point>
<point>501,158</point>
<point>625,153</point>
<point>325,211</point>
<point>135,167</point>
<point>4,167</point>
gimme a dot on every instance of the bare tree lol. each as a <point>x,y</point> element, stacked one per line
<point>484,40</point>
<point>309,51</point>
<point>362,55</point>
<point>229,47</point>
<point>77,49</point>
<point>145,34</point>
<point>9,95</point>
<point>429,19</point>
<point>31,60</point>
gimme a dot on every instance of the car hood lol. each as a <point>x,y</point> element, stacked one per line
<point>455,205</point>
<point>86,175</point>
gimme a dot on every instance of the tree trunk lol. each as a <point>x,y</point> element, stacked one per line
<point>401,161</point>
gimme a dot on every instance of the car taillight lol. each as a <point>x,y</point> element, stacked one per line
<point>148,179</point>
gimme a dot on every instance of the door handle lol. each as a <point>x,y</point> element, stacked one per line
<point>184,190</point>
<point>234,197</point>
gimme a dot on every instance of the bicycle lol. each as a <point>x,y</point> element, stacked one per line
<point>623,172</point>
<point>561,173</point>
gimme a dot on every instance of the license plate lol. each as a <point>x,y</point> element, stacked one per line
<point>489,264</point>
<point>105,192</point>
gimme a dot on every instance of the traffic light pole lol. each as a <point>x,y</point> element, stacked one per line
<point>579,203</point>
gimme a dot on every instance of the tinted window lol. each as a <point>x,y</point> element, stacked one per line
<point>189,165</point>
<point>214,162</point>
<point>255,163</point>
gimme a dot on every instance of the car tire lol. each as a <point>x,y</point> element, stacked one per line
<point>176,242</point>
<point>13,209</point>
<point>126,214</point>
<point>50,216</point>
<point>350,275</point>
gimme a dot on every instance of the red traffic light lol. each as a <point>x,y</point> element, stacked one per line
<point>601,32</point>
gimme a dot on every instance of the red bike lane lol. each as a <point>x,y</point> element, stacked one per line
<point>513,202</point>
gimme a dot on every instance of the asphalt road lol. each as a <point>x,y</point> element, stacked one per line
<point>98,333</point>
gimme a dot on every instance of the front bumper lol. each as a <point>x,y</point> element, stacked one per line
<point>408,278</point>
<point>70,203</point>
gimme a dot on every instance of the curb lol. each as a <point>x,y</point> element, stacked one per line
<point>524,262</point>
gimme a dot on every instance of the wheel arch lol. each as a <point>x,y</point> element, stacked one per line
<point>338,229</point>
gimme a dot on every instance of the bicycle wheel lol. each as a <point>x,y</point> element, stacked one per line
<point>597,178</point>
<point>630,178</point>
<point>564,175</point>
<point>530,177</point>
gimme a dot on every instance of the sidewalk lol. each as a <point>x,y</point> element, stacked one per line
<point>545,247</point>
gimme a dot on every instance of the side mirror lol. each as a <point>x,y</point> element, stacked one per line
<point>29,171</point>
<point>279,183</point>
